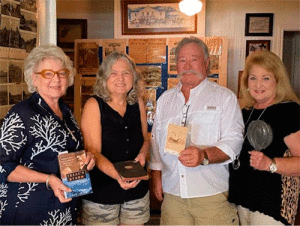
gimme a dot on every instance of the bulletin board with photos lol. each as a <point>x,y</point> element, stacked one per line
<point>18,32</point>
<point>155,60</point>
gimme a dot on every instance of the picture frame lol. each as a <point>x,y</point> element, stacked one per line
<point>254,45</point>
<point>259,24</point>
<point>152,17</point>
<point>70,29</point>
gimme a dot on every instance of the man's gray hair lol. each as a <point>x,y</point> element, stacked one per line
<point>197,41</point>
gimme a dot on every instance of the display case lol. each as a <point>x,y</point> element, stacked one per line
<point>155,59</point>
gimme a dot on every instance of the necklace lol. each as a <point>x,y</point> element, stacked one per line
<point>236,163</point>
<point>256,119</point>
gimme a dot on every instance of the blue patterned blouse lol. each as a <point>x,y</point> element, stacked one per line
<point>32,135</point>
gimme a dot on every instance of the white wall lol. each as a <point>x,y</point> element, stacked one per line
<point>227,18</point>
<point>99,14</point>
<point>100,25</point>
<point>223,18</point>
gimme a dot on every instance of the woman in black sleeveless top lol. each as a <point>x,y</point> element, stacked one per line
<point>264,184</point>
<point>115,129</point>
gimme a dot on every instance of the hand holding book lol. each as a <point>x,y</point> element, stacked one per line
<point>58,187</point>
<point>74,174</point>
<point>131,171</point>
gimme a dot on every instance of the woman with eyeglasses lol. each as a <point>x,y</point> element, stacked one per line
<point>34,132</point>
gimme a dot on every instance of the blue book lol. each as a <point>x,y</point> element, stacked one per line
<point>74,173</point>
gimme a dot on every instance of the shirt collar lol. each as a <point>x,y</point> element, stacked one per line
<point>42,103</point>
<point>195,90</point>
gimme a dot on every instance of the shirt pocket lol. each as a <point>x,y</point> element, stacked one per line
<point>205,127</point>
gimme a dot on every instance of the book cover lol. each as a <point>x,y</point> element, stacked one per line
<point>74,174</point>
<point>131,170</point>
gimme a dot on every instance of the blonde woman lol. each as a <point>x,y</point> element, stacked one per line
<point>265,184</point>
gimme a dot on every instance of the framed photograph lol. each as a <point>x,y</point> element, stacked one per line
<point>259,24</point>
<point>70,29</point>
<point>255,45</point>
<point>155,17</point>
<point>87,57</point>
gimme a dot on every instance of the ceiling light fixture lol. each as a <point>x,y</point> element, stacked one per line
<point>190,7</point>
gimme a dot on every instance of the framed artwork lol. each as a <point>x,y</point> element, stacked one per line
<point>259,24</point>
<point>70,29</point>
<point>151,75</point>
<point>155,17</point>
<point>255,45</point>
<point>111,45</point>
<point>87,57</point>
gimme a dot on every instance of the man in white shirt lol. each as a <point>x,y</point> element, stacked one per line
<point>194,186</point>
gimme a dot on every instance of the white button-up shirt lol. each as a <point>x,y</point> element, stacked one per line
<point>214,119</point>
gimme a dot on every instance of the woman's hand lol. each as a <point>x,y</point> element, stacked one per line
<point>89,161</point>
<point>259,161</point>
<point>141,158</point>
<point>59,188</point>
<point>128,184</point>
<point>292,141</point>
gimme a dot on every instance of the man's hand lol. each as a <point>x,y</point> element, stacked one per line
<point>157,184</point>
<point>191,156</point>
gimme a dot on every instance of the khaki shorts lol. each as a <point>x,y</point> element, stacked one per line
<point>211,210</point>
<point>132,212</point>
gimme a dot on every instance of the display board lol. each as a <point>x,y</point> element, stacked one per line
<point>18,36</point>
<point>155,59</point>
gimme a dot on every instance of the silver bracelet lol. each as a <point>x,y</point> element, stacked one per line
<point>47,181</point>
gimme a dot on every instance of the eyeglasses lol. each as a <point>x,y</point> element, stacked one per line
<point>185,110</point>
<point>49,74</point>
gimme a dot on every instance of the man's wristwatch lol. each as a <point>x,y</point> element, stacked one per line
<point>205,161</point>
<point>273,166</point>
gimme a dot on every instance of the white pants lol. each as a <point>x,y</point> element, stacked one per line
<point>248,217</point>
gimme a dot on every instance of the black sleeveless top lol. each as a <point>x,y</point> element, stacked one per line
<point>272,194</point>
<point>122,139</point>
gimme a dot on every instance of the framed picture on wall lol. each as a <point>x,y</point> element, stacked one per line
<point>255,45</point>
<point>70,29</point>
<point>259,24</point>
<point>146,17</point>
